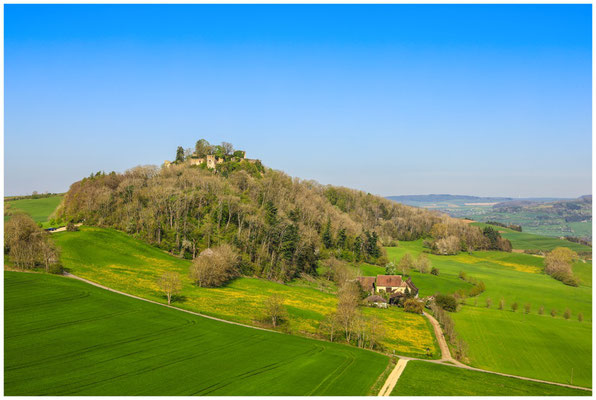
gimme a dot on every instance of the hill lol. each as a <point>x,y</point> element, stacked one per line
<point>281,226</point>
<point>64,337</point>
<point>40,209</point>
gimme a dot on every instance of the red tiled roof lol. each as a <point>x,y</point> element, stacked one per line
<point>389,280</point>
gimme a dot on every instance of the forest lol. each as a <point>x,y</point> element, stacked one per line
<point>281,226</point>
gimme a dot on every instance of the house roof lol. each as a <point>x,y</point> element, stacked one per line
<point>366,282</point>
<point>389,280</point>
<point>411,284</point>
<point>375,299</point>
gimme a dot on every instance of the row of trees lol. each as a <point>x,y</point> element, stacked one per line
<point>29,246</point>
<point>448,238</point>
<point>528,309</point>
<point>406,263</point>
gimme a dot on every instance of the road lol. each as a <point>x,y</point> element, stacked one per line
<point>446,358</point>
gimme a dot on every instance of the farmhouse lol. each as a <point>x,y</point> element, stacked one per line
<point>393,284</point>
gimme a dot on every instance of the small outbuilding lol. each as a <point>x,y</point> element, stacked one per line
<point>376,300</point>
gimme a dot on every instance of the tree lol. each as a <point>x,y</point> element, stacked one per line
<point>541,310</point>
<point>423,263</point>
<point>169,283</point>
<point>580,317</point>
<point>553,313</point>
<point>327,238</point>
<point>413,306</point>
<point>489,302</point>
<point>329,326</point>
<point>527,308</point>
<point>227,148</point>
<point>446,301</point>
<point>567,313</point>
<point>558,264</point>
<point>71,227</point>
<point>276,310</point>
<point>24,241</point>
<point>346,307</point>
<point>390,268</point>
<point>514,306</point>
<point>434,271</point>
<point>214,267</point>
<point>202,148</point>
<point>501,303</point>
<point>405,264</point>
<point>179,154</point>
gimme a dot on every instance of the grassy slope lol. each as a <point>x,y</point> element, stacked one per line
<point>39,209</point>
<point>420,379</point>
<point>538,346</point>
<point>524,240</point>
<point>119,261</point>
<point>75,339</point>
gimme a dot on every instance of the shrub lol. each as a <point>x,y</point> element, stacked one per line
<point>553,313</point>
<point>580,317</point>
<point>446,302</point>
<point>434,271</point>
<point>489,302</point>
<point>214,268</point>
<point>463,275</point>
<point>514,306</point>
<point>413,306</point>
<point>501,303</point>
<point>541,310</point>
<point>567,313</point>
<point>527,308</point>
<point>71,227</point>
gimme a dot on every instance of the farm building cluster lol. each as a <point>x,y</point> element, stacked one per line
<point>212,160</point>
<point>392,286</point>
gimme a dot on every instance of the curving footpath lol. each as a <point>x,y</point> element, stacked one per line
<point>391,381</point>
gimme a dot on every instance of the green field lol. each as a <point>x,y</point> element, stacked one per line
<point>39,209</point>
<point>121,262</point>
<point>422,379</point>
<point>529,241</point>
<point>64,337</point>
<point>537,346</point>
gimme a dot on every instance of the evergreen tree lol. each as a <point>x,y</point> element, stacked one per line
<point>341,238</point>
<point>179,154</point>
<point>327,238</point>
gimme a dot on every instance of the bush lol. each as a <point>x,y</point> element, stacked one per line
<point>489,302</point>
<point>71,227</point>
<point>527,308</point>
<point>463,275</point>
<point>413,306</point>
<point>434,271</point>
<point>567,313</point>
<point>553,313</point>
<point>541,310</point>
<point>514,307</point>
<point>446,302</point>
<point>580,317</point>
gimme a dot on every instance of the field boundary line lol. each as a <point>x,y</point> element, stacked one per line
<point>393,377</point>
<point>443,361</point>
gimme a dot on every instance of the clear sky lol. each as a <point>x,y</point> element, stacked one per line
<point>391,99</point>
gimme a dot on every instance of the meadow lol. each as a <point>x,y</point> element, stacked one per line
<point>530,241</point>
<point>533,345</point>
<point>121,262</point>
<point>420,379</point>
<point>39,209</point>
<point>66,337</point>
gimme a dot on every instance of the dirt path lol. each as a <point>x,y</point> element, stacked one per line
<point>393,377</point>
<point>397,371</point>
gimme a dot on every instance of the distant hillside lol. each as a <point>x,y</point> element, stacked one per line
<point>546,216</point>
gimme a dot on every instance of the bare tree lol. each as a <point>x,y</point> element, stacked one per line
<point>169,282</point>
<point>329,326</point>
<point>527,308</point>
<point>423,263</point>
<point>228,148</point>
<point>501,304</point>
<point>405,264</point>
<point>347,306</point>
<point>276,310</point>
<point>214,267</point>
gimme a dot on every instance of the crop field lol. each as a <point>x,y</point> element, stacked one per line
<point>529,241</point>
<point>119,261</point>
<point>533,345</point>
<point>421,379</point>
<point>39,209</point>
<point>65,337</point>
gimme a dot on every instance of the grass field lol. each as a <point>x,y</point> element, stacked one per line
<point>537,346</point>
<point>39,209</point>
<point>529,241</point>
<point>65,337</point>
<point>116,260</point>
<point>421,379</point>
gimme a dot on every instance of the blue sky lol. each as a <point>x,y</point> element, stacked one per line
<point>391,99</point>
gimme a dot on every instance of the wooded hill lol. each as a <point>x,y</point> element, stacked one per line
<point>282,226</point>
